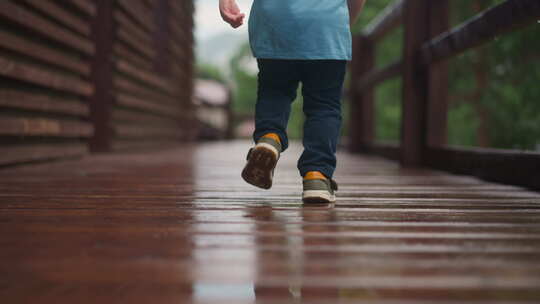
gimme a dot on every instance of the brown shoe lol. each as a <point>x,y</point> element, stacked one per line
<point>261,162</point>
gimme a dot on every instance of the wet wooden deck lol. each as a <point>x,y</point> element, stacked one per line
<point>180,226</point>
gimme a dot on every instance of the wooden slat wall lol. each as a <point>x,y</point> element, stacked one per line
<point>68,87</point>
<point>152,72</point>
<point>45,52</point>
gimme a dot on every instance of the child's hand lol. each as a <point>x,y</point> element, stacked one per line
<point>231,13</point>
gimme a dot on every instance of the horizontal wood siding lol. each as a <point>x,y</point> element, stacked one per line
<point>66,89</point>
<point>45,63</point>
<point>152,81</point>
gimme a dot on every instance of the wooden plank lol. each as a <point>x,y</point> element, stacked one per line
<point>135,44</point>
<point>179,33</point>
<point>146,118</point>
<point>390,18</point>
<point>63,16</point>
<point>143,144</point>
<point>482,28</point>
<point>375,77</point>
<point>178,9</point>
<point>131,87</point>
<point>37,152</point>
<point>125,22</point>
<point>36,23</point>
<point>504,166</point>
<point>178,51</point>
<point>415,84</point>
<point>138,131</point>
<point>43,53</point>
<point>102,101</point>
<point>362,128</point>
<point>139,13</point>
<point>386,240</point>
<point>37,75</point>
<point>152,79</point>
<point>11,98</point>
<point>21,126</point>
<point>129,101</point>
<point>121,51</point>
<point>86,6</point>
<point>150,3</point>
<point>181,72</point>
<point>162,37</point>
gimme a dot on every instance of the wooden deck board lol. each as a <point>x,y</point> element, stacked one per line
<point>180,226</point>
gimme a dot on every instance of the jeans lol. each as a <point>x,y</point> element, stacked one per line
<point>322,84</point>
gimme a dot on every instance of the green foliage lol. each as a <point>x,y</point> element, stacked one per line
<point>462,121</point>
<point>388,110</point>
<point>208,71</point>
<point>245,91</point>
<point>499,80</point>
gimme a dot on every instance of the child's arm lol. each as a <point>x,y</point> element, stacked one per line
<point>231,13</point>
<point>355,7</point>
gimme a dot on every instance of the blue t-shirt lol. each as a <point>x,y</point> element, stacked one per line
<point>300,29</point>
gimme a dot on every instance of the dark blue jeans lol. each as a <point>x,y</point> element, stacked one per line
<point>322,83</point>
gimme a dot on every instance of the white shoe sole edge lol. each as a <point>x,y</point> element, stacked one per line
<point>318,194</point>
<point>269,147</point>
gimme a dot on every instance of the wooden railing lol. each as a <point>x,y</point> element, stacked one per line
<point>100,75</point>
<point>428,43</point>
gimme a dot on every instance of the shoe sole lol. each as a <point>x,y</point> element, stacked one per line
<point>318,197</point>
<point>259,168</point>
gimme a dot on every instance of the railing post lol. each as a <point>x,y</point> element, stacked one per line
<point>437,129</point>
<point>425,88</point>
<point>102,68</point>
<point>361,120</point>
<point>416,86</point>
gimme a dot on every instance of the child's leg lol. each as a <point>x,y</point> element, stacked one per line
<point>322,83</point>
<point>277,84</point>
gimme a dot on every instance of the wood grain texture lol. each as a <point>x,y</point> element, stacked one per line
<point>18,14</point>
<point>22,126</point>
<point>17,154</point>
<point>140,13</point>
<point>16,99</point>
<point>86,6</point>
<point>39,75</point>
<point>180,226</point>
<point>100,73</point>
<point>43,53</point>
<point>128,85</point>
<point>126,53</point>
<point>151,79</point>
<point>62,15</point>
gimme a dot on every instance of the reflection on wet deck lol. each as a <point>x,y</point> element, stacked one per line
<point>180,226</point>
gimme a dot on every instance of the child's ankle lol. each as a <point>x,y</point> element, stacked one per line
<point>314,175</point>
